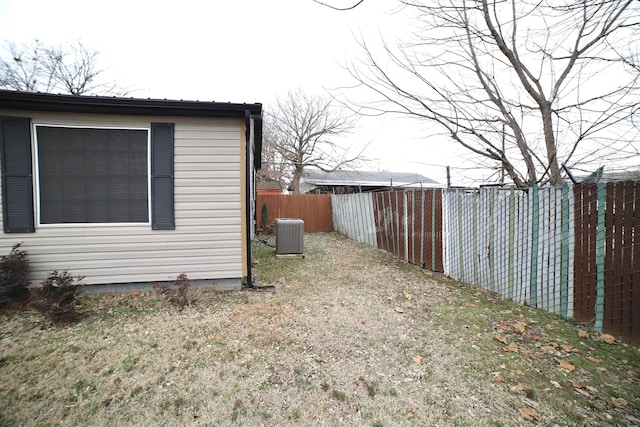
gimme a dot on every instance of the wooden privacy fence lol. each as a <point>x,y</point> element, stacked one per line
<point>313,209</point>
<point>607,260</point>
<point>571,250</point>
<point>405,223</point>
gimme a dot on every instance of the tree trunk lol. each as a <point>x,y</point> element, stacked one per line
<point>295,182</point>
<point>550,142</point>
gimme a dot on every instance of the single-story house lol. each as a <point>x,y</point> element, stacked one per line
<point>345,182</point>
<point>130,192</point>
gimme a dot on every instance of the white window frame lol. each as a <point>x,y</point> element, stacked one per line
<point>36,174</point>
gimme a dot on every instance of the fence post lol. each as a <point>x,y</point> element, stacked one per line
<point>475,197</point>
<point>433,228</point>
<point>564,268</point>
<point>388,222</point>
<point>446,232</point>
<point>423,231</point>
<point>458,224</point>
<point>600,249</point>
<point>492,240</point>
<point>405,223</point>
<point>512,201</point>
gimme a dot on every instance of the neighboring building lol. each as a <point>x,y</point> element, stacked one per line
<point>346,182</point>
<point>129,192</point>
<point>269,187</point>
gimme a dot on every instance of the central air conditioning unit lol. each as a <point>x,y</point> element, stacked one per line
<point>289,236</point>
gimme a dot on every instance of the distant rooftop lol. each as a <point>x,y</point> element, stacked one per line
<point>311,178</point>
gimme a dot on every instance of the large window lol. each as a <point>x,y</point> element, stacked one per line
<point>92,175</point>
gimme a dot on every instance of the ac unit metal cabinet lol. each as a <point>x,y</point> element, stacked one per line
<point>289,236</point>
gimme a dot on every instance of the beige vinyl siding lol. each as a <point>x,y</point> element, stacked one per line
<point>207,241</point>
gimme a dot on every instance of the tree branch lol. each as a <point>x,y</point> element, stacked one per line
<point>339,8</point>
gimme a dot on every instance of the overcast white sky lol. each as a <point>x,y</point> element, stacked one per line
<point>237,51</point>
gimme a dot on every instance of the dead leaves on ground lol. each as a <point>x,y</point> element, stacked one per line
<point>565,364</point>
<point>618,403</point>
<point>523,337</point>
<point>517,326</point>
<point>501,339</point>
<point>563,367</point>
<point>398,309</point>
<point>517,336</point>
<point>570,349</point>
<point>595,360</point>
<point>529,414</point>
<point>609,339</point>
<point>584,334</point>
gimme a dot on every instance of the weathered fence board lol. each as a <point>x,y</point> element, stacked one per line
<point>313,209</point>
<point>409,225</point>
<point>635,270</point>
<point>353,216</point>
<point>621,260</point>
<point>585,262</point>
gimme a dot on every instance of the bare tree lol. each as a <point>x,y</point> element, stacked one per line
<point>274,168</point>
<point>70,68</point>
<point>303,129</point>
<point>526,85</point>
<point>22,68</point>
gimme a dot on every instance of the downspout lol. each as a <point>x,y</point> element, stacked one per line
<point>248,178</point>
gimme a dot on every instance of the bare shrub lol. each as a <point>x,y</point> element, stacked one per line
<point>178,292</point>
<point>14,272</point>
<point>57,298</point>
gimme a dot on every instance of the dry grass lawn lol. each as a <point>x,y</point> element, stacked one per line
<point>350,337</point>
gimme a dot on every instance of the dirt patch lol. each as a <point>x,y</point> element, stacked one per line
<point>350,337</point>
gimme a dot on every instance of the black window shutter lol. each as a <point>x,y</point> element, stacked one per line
<point>17,182</point>
<point>162,213</point>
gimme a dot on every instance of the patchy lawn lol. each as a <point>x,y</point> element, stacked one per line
<point>350,337</point>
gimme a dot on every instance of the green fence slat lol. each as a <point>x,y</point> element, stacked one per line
<point>535,218</point>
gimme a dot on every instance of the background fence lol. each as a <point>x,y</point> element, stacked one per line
<point>407,224</point>
<point>571,250</point>
<point>353,216</point>
<point>314,209</point>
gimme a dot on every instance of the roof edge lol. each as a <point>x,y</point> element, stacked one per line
<point>17,100</point>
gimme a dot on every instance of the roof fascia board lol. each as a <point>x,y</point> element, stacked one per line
<point>130,106</point>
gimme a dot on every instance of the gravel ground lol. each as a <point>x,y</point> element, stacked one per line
<point>349,337</point>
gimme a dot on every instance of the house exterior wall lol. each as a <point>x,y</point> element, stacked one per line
<point>207,243</point>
